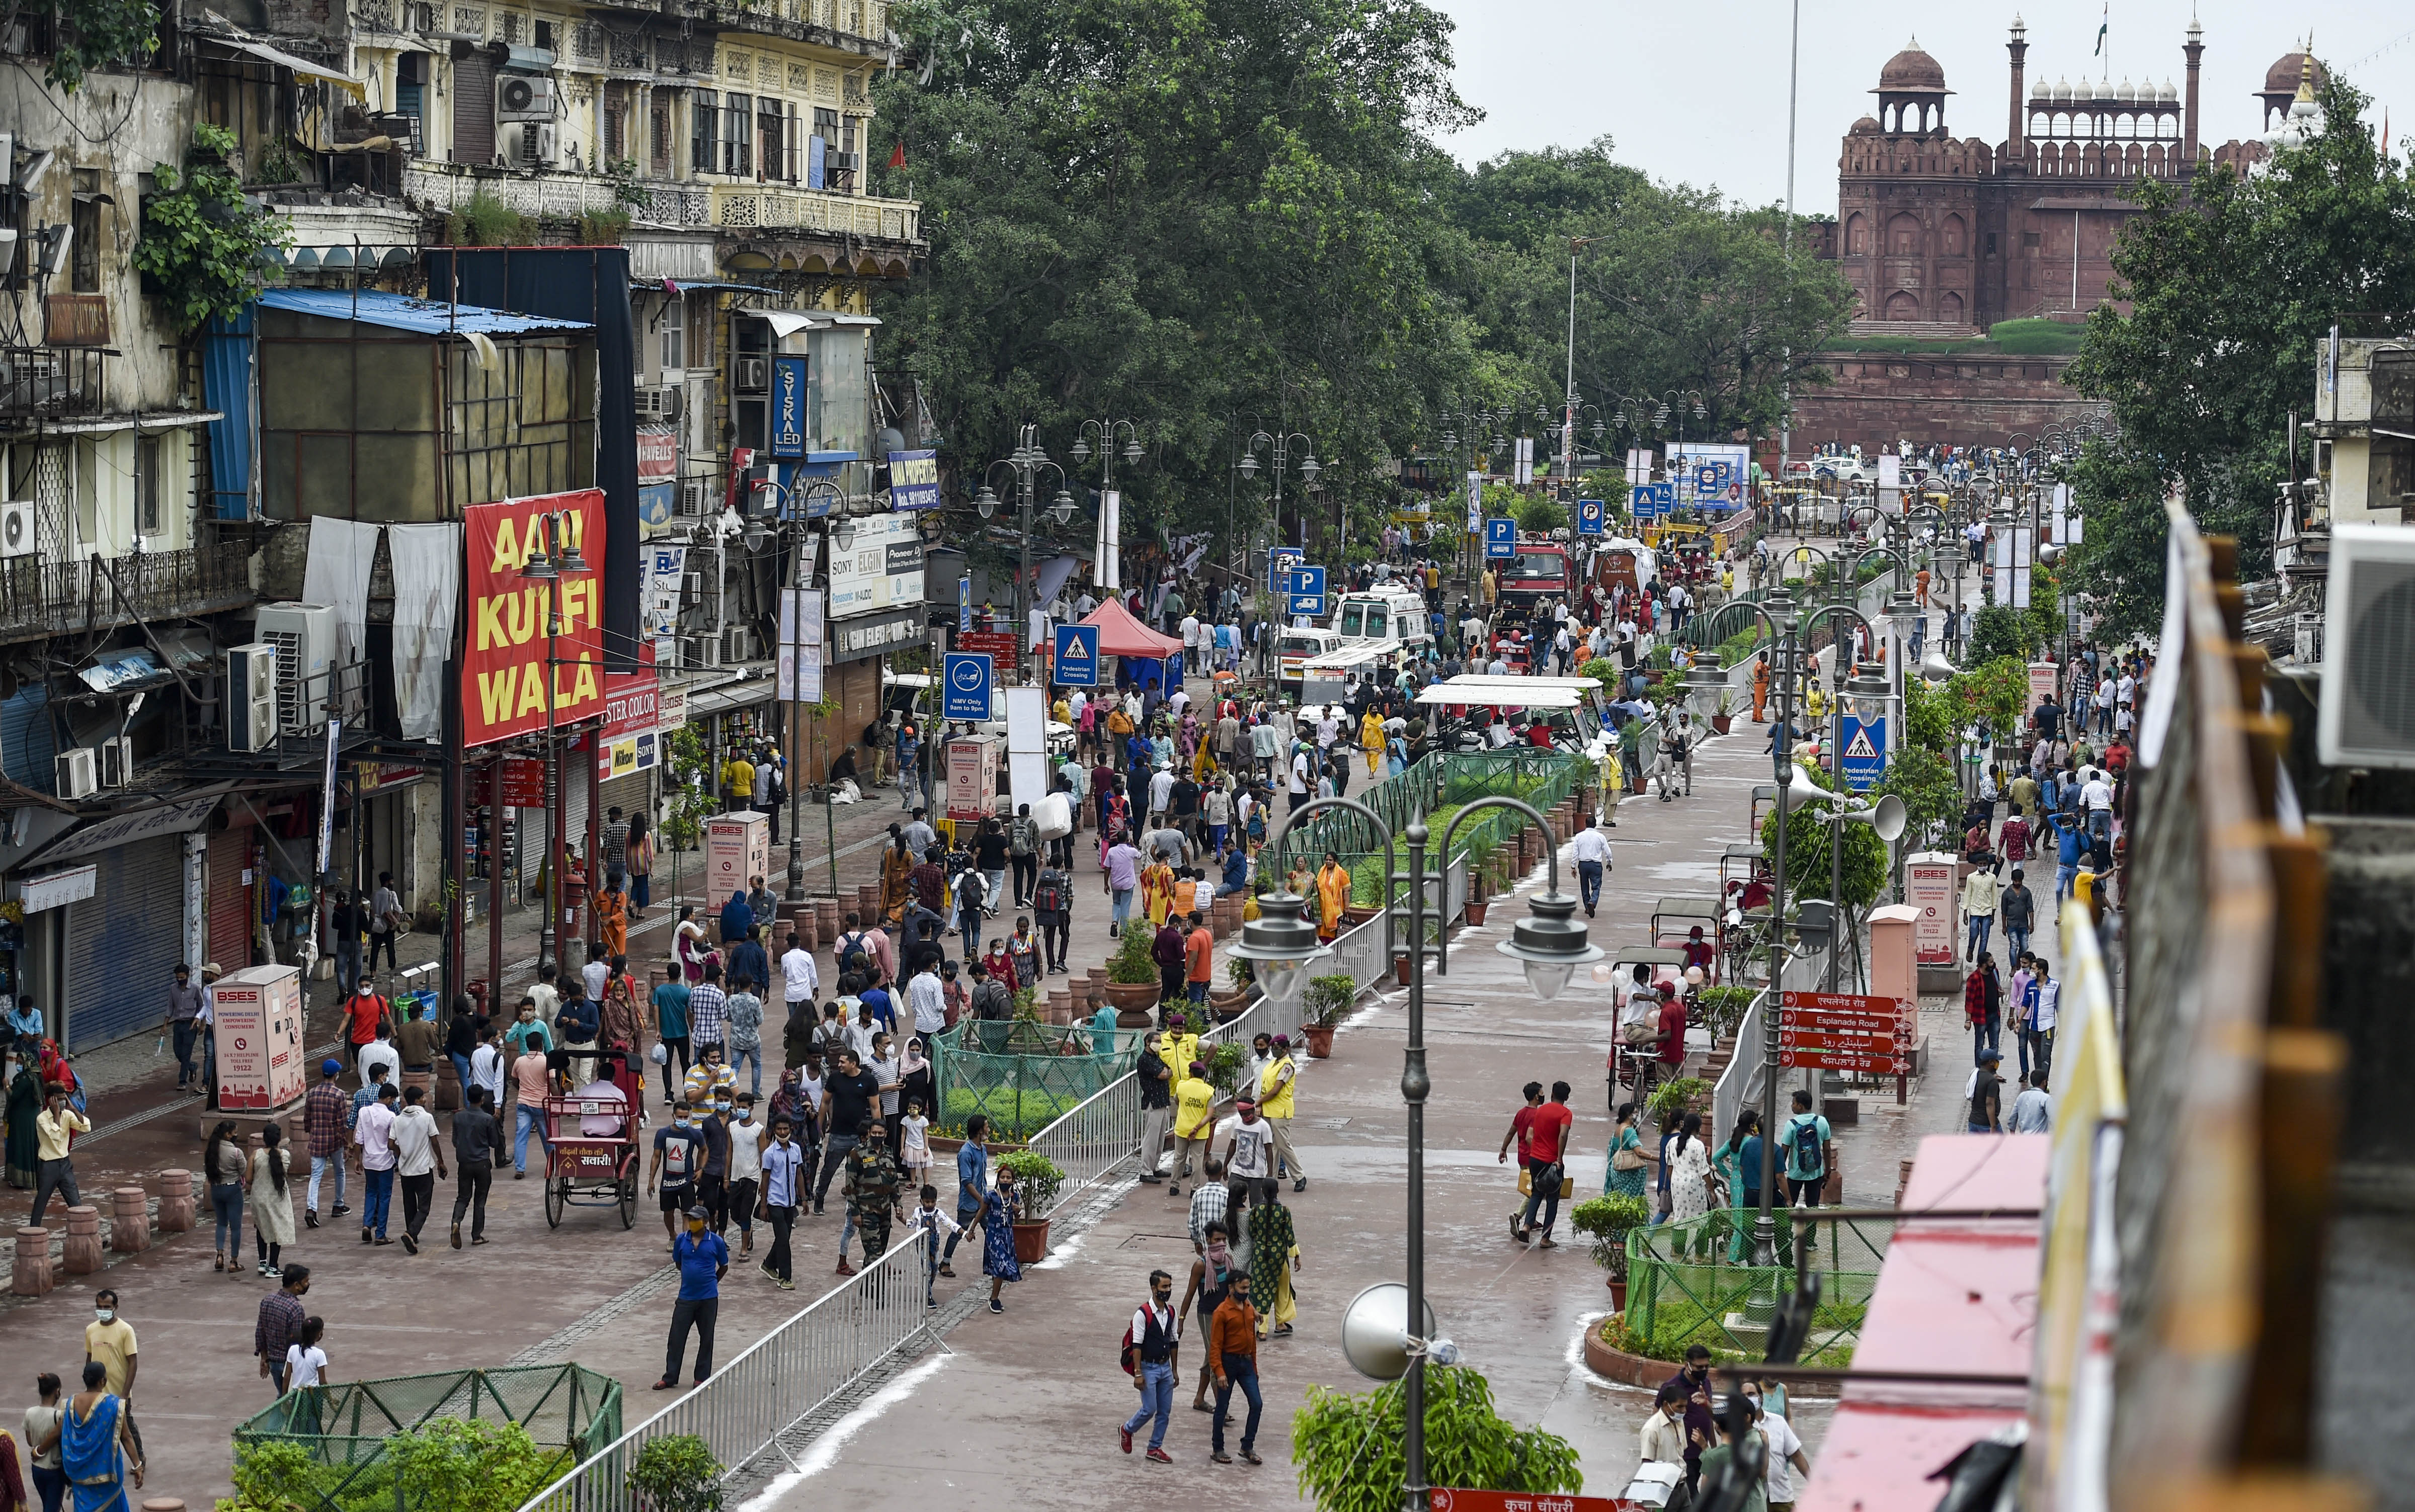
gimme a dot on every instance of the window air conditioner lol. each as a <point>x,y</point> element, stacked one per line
<point>754,374</point>
<point>740,646</point>
<point>535,146</point>
<point>691,501</point>
<point>660,402</point>
<point>76,775</point>
<point>2367,714</point>
<point>117,761</point>
<point>708,650</point>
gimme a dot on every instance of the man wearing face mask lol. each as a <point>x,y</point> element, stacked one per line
<point>702,1259</point>
<point>679,1155</point>
<point>1154,1347</point>
<point>873,1181</point>
<point>745,1168</point>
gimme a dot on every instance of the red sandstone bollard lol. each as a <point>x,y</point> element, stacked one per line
<point>32,1275</point>
<point>80,1254</point>
<point>163,1503</point>
<point>130,1230</point>
<point>175,1201</point>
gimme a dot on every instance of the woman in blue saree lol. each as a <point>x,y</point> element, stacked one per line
<point>95,1447</point>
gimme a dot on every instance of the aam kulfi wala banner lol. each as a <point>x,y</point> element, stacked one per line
<point>504,660</point>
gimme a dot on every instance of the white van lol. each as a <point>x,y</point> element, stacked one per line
<point>1295,648</point>
<point>1385,613</point>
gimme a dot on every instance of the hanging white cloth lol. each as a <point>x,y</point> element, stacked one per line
<point>336,574</point>
<point>427,582</point>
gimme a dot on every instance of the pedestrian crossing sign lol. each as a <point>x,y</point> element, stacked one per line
<point>1077,655</point>
<point>1864,758</point>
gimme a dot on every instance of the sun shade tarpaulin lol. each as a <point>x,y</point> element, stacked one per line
<point>1120,634</point>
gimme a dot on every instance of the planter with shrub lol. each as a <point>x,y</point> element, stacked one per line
<point>1132,979</point>
<point>1606,1220</point>
<point>1329,998</point>
<point>1037,1178</point>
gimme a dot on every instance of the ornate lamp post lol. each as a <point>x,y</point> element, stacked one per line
<point>1291,452</point>
<point>794,505</point>
<point>1026,462</point>
<point>557,558</point>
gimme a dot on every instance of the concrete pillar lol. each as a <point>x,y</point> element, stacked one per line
<point>80,1255</point>
<point>129,1229</point>
<point>31,1276</point>
<point>175,1201</point>
<point>2194,50</point>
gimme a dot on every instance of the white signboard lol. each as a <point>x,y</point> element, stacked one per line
<point>53,889</point>
<point>881,569</point>
<point>801,644</point>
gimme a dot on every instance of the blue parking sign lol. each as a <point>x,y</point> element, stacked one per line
<point>1590,512</point>
<point>1500,537</point>
<point>1077,655</point>
<point>1307,590</point>
<point>966,694</point>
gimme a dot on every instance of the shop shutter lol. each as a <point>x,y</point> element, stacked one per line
<point>230,901</point>
<point>123,943</point>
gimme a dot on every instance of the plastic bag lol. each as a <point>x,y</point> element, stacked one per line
<point>1053,815</point>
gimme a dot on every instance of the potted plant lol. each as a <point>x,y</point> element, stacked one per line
<point>1037,1177</point>
<point>1606,1220</point>
<point>1226,1061</point>
<point>1328,999</point>
<point>1723,713</point>
<point>1132,979</point>
<point>1673,1100</point>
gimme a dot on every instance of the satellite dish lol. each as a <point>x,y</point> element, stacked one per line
<point>1375,1334</point>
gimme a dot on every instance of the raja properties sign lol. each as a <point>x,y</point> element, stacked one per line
<point>503,671</point>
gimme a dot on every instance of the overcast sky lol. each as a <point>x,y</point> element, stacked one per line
<point>1697,92</point>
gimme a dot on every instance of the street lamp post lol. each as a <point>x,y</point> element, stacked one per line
<point>558,558</point>
<point>793,506</point>
<point>1549,943</point>
<point>1107,430</point>
<point>1569,420</point>
<point>1026,463</point>
<point>1282,455</point>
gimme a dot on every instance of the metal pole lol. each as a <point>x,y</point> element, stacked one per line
<point>545,941</point>
<point>1414,1085</point>
<point>1764,1225</point>
<point>794,605</point>
<point>1023,571</point>
<point>1569,416</point>
<point>1786,249</point>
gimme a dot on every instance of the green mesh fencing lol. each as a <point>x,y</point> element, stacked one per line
<point>357,1441</point>
<point>1692,1282</point>
<point>1025,1074</point>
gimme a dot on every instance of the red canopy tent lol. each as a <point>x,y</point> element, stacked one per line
<point>1120,634</point>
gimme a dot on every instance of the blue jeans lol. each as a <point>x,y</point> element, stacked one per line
<point>972,932</point>
<point>1123,907</point>
<point>187,1032</point>
<point>1980,924</point>
<point>1156,1401</point>
<point>1242,1372</point>
<point>2064,875</point>
<point>755,1057</point>
<point>2016,944</point>
<point>378,1202</point>
<point>528,1121</point>
<point>1984,1036</point>
<point>226,1204</point>
<point>461,1074</point>
<point>319,1166</point>
<point>348,966</point>
<point>1589,883</point>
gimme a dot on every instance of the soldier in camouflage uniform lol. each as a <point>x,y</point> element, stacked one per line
<point>871,1188</point>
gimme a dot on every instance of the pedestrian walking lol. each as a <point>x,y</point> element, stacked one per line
<point>1540,1130</point>
<point>1690,1178</point>
<point>1979,900</point>
<point>97,1445</point>
<point>1233,1355</point>
<point>1277,1083</point>
<point>850,1103</point>
<point>55,1131</point>
<point>184,1026</point>
<point>1274,1259</point>
<point>1000,1206</point>
<point>272,1202</point>
<point>972,1184</point>
<point>2033,1110</point>
<point>1982,1007</point>
<point>42,1423</point>
<point>1156,1080</point>
<point>745,1168</point>
<point>1590,850</point>
<point>870,1191</point>
<point>785,1166</point>
<point>1809,1152</point>
<point>1152,1354</point>
<point>223,1167</point>
<point>477,1145</point>
<point>703,1259</point>
<point>419,1160</point>
<point>1983,1094</point>
<point>279,1324</point>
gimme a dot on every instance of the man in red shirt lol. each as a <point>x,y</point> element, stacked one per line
<point>363,1011</point>
<point>1672,1036</point>
<point>1542,1132</point>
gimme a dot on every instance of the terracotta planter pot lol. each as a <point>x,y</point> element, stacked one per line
<point>1721,724</point>
<point>1618,1293</point>
<point>1401,970</point>
<point>1132,1001</point>
<point>1353,915</point>
<point>1031,1242</point>
<point>1477,908</point>
<point>1320,1039</point>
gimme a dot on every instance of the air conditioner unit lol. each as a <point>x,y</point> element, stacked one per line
<point>252,697</point>
<point>17,528</point>
<point>846,162</point>
<point>691,501</point>
<point>524,96</point>
<point>117,761</point>
<point>754,374</point>
<point>304,638</point>
<point>535,146</point>
<point>659,403</point>
<point>708,650</point>
<point>2367,715</point>
<point>76,774</point>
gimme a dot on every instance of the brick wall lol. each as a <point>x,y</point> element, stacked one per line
<point>1881,398</point>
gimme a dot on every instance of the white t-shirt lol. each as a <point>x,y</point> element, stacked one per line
<point>2097,795</point>
<point>597,974</point>
<point>1784,1443</point>
<point>304,1366</point>
<point>1253,1147</point>
<point>746,1149</point>
<point>802,979</point>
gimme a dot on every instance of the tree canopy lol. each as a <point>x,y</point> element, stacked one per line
<point>2230,289</point>
<point>1217,217</point>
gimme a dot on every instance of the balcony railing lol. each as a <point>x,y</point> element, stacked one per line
<point>48,383</point>
<point>560,194</point>
<point>767,207</point>
<point>42,597</point>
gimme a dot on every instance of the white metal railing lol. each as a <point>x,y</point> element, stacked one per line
<point>744,1408</point>
<point>1739,1085</point>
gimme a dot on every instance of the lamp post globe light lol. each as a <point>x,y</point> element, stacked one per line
<point>556,558</point>
<point>1281,945</point>
<point>1287,452</point>
<point>1025,465</point>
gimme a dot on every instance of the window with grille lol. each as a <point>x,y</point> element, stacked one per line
<point>658,140</point>
<point>704,109</point>
<point>146,485</point>
<point>738,134</point>
<point>85,217</point>
<point>674,330</point>
<point>510,26</point>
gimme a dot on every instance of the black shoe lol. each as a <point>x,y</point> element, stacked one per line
<point>411,1243</point>
<point>310,1215</point>
<point>340,1209</point>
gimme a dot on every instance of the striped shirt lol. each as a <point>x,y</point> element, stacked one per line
<point>705,1002</point>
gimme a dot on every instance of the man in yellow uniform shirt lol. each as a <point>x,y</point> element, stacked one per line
<point>1195,1121</point>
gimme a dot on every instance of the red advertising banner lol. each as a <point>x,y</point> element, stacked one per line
<point>1458,1499</point>
<point>657,453</point>
<point>997,643</point>
<point>503,668</point>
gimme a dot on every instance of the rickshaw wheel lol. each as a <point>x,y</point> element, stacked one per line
<point>557,1193</point>
<point>629,1201</point>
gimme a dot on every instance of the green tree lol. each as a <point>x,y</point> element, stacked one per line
<point>2001,630</point>
<point>1541,515</point>
<point>201,244</point>
<point>1347,1445</point>
<point>1807,833</point>
<point>97,34</point>
<point>2228,287</point>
